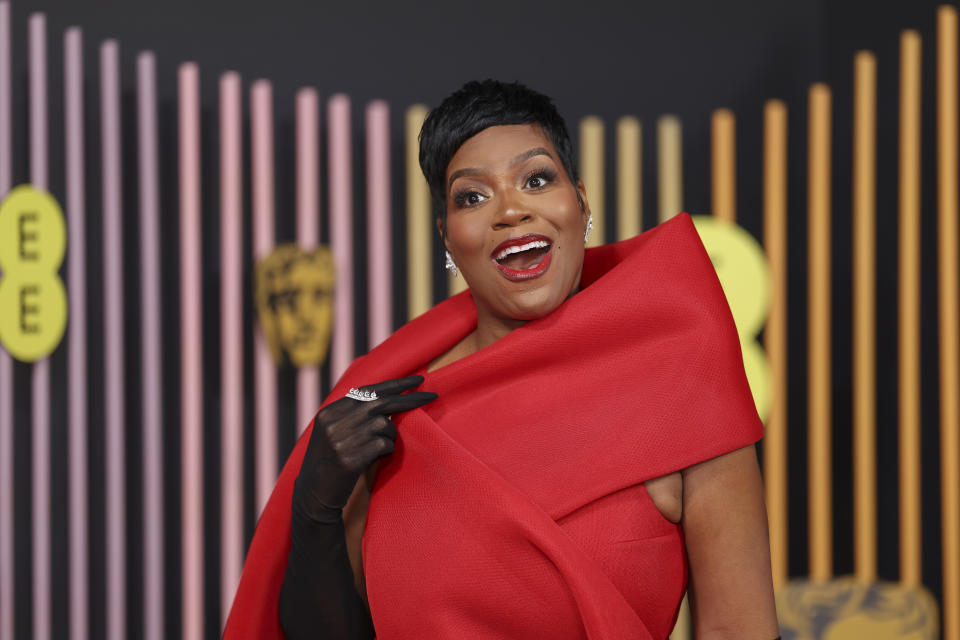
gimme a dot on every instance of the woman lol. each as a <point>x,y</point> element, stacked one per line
<point>581,439</point>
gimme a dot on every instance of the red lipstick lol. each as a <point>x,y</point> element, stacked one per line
<point>528,242</point>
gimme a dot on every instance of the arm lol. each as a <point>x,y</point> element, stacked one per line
<point>725,528</point>
<point>318,598</point>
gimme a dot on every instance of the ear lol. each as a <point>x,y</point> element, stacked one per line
<point>582,197</point>
<point>440,230</point>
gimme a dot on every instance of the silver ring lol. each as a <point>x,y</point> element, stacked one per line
<point>361,395</point>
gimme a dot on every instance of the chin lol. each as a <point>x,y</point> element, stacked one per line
<point>533,305</point>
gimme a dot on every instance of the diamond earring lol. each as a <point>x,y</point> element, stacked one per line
<point>586,234</point>
<point>451,266</point>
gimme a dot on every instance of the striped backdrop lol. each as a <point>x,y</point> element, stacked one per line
<point>135,459</point>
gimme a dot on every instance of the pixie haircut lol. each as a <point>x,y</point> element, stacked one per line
<point>475,107</point>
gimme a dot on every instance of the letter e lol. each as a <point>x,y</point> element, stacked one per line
<point>28,235</point>
<point>28,309</point>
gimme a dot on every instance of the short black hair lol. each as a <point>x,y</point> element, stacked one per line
<point>476,106</point>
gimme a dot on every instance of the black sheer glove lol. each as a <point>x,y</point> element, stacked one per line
<point>318,598</point>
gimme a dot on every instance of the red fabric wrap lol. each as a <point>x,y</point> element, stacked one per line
<point>513,506</point>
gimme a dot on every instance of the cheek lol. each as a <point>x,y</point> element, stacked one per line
<point>464,237</point>
<point>566,210</point>
<point>572,224</point>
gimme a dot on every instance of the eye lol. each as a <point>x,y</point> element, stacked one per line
<point>539,179</point>
<point>468,198</point>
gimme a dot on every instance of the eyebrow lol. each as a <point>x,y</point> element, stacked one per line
<point>523,157</point>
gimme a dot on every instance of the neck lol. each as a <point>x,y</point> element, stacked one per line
<point>491,328</point>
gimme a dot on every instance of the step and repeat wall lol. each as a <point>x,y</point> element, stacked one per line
<point>162,351</point>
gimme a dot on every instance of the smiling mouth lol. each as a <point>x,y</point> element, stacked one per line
<point>524,257</point>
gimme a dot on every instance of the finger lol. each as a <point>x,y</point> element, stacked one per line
<point>371,427</point>
<point>405,402</point>
<point>335,409</point>
<point>393,387</point>
<point>351,422</point>
<point>336,421</point>
<point>376,448</point>
<point>381,426</point>
<point>354,430</point>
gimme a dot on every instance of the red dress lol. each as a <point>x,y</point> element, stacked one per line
<point>513,506</point>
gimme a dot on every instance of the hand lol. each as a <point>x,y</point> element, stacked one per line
<point>348,435</point>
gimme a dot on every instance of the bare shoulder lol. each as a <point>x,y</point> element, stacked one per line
<point>725,529</point>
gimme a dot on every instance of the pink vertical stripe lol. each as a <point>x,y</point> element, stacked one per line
<point>380,303</point>
<point>341,231</point>
<point>38,100</point>
<point>264,370</point>
<point>114,377</point>
<point>191,350</point>
<point>77,333</point>
<point>231,338</point>
<point>308,228</point>
<point>41,369</point>
<point>150,348</point>
<point>6,131</point>
<point>6,362</point>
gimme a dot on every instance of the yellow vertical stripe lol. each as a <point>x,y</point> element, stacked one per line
<point>629,178</point>
<point>669,167</point>
<point>949,290</point>
<point>723,165</point>
<point>908,366</point>
<point>775,333</point>
<point>818,327</point>
<point>864,316</point>
<point>419,228</point>
<point>591,168</point>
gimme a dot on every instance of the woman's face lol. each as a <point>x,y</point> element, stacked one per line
<point>514,224</point>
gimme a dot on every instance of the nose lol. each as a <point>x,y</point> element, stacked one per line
<point>513,211</point>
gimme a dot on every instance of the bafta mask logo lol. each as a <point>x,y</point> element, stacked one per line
<point>848,608</point>
<point>293,291</point>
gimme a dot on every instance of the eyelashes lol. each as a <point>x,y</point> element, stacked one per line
<point>535,180</point>
<point>467,198</point>
<point>545,176</point>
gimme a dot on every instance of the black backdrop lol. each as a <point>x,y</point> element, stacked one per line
<point>604,58</point>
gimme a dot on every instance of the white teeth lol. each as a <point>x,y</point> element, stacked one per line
<point>536,244</point>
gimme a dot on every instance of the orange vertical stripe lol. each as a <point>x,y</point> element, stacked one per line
<point>909,310</point>
<point>775,333</point>
<point>819,369</point>
<point>723,165</point>
<point>949,290</point>
<point>864,316</point>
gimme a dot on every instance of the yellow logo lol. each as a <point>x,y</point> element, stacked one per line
<point>742,269</point>
<point>32,297</point>
<point>293,291</point>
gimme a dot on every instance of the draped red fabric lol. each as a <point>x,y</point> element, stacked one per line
<point>513,506</point>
